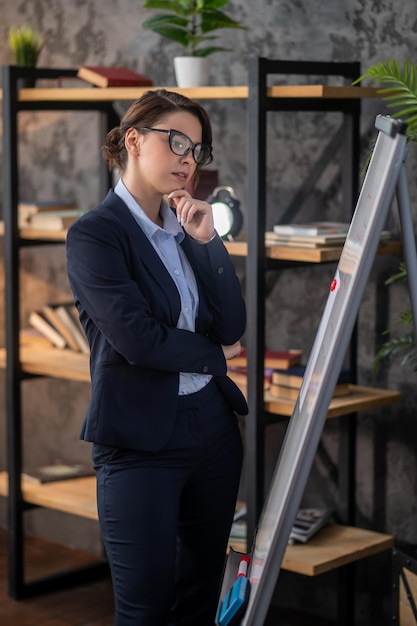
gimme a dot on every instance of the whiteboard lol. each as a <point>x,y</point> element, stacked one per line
<point>324,365</point>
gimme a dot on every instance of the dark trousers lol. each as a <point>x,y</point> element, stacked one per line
<point>165,516</point>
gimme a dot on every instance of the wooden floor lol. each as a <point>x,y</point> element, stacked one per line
<point>87,605</point>
<point>90,604</point>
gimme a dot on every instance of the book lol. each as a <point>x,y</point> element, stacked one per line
<point>57,471</point>
<point>307,523</point>
<point>69,317</point>
<point>239,374</point>
<point>54,220</point>
<point>27,209</point>
<point>293,376</point>
<point>291,393</point>
<point>311,241</point>
<point>38,320</point>
<point>113,77</point>
<point>312,228</point>
<point>239,526</point>
<point>305,241</point>
<point>274,359</point>
<point>32,336</point>
<point>72,82</point>
<point>57,320</point>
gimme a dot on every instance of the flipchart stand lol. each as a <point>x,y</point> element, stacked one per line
<point>385,176</point>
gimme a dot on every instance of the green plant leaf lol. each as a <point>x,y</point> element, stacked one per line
<point>154,23</point>
<point>26,45</point>
<point>172,32</point>
<point>175,6</point>
<point>402,94</point>
<point>195,18</point>
<point>214,20</point>
<point>406,344</point>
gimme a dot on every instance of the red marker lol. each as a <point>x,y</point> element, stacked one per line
<point>243,566</point>
<point>333,285</point>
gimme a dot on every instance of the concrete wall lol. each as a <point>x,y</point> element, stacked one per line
<point>60,158</point>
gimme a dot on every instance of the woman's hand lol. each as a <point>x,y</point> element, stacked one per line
<point>195,216</point>
<point>232,351</point>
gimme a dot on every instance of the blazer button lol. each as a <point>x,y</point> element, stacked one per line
<point>220,270</point>
<point>205,369</point>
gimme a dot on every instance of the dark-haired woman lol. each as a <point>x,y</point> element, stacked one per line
<point>162,309</point>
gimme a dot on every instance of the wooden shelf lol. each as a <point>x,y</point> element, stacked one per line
<point>307,255</point>
<point>359,399</point>
<point>111,94</point>
<point>52,362</point>
<point>71,365</point>
<point>239,248</point>
<point>333,547</point>
<point>38,234</point>
<point>76,496</point>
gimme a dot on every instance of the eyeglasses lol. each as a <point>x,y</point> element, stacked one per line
<point>181,145</point>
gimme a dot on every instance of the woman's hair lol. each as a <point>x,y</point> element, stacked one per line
<point>148,110</point>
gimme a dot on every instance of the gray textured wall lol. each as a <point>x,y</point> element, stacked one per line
<point>60,156</point>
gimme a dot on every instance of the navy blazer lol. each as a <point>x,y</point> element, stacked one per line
<point>129,307</point>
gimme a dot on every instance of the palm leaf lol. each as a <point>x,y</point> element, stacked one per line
<point>402,92</point>
<point>404,344</point>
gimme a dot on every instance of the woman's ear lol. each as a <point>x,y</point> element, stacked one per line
<point>132,141</point>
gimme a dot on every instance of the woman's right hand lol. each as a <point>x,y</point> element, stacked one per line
<point>232,351</point>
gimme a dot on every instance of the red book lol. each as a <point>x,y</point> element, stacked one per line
<point>275,359</point>
<point>113,77</point>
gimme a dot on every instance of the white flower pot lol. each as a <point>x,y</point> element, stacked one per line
<point>191,71</point>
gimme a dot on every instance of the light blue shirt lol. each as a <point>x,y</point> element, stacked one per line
<point>166,242</point>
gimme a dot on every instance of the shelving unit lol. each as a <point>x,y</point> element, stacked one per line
<point>78,497</point>
<point>263,410</point>
<point>262,257</point>
<point>13,101</point>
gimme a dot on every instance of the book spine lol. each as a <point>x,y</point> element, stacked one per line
<point>37,321</point>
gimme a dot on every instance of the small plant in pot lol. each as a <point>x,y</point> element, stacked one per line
<point>191,23</point>
<point>26,46</point>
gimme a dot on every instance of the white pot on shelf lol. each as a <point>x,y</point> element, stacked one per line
<point>191,71</point>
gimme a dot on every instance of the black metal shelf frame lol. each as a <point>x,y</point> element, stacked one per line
<point>259,104</point>
<point>18,586</point>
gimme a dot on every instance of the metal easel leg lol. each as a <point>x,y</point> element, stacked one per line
<point>407,230</point>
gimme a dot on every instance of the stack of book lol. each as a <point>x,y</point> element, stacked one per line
<point>286,383</point>
<point>60,324</point>
<point>273,360</point>
<point>307,523</point>
<point>51,215</point>
<point>309,234</point>
<point>239,526</point>
<point>57,471</point>
<point>312,234</point>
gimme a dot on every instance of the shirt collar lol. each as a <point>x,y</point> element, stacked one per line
<point>149,227</point>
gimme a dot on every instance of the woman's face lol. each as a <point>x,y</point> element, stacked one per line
<point>158,167</point>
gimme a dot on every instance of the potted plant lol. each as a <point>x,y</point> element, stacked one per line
<point>26,46</point>
<point>191,23</point>
<point>401,95</point>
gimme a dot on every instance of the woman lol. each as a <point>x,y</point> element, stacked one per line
<point>162,309</point>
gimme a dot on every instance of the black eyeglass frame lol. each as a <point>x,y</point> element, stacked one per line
<point>171,132</point>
